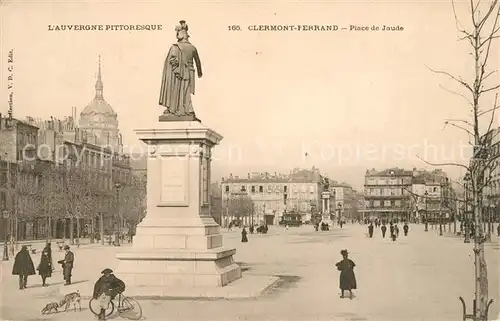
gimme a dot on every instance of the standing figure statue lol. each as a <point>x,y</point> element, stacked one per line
<point>178,80</point>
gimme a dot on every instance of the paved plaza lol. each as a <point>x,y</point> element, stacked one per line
<point>418,277</point>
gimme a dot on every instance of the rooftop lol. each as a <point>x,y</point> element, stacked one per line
<point>389,172</point>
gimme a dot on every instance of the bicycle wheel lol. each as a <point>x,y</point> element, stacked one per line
<point>130,309</point>
<point>95,307</point>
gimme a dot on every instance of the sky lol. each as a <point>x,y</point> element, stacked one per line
<point>343,101</point>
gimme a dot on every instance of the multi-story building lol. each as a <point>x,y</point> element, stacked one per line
<point>346,202</point>
<point>387,193</point>
<point>58,149</point>
<point>272,195</point>
<point>19,173</point>
<point>432,197</point>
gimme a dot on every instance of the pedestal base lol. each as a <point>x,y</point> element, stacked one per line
<point>178,268</point>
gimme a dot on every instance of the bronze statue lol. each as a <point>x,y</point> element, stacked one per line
<point>178,80</point>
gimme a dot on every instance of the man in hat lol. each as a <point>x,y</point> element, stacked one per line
<point>105,290</point>
<point>67,264</point>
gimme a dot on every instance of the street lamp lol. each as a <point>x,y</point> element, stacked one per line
<point>118,230</point>
<point>426,216</point>
<point>6,231</point>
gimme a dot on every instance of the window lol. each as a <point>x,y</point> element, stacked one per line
<point>393,192</point>
<point>3,178</point>
<point>269,189</point>
<point>381,191</point>
<point>261,189</point>
<point>243,188</point>
<point>311,189</point>
<point>278,189</point>
<point>376,203</point>
<point>434,189</point>
<point>393,203</point>
<point>398,203</point>
<point>387,203</point>
<point>285,188</point>
<point>227,188</point>
<point>253,189</point>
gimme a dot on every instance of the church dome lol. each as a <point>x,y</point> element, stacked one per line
<point>98,106</point>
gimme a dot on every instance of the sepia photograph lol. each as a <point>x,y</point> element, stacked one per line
<point>250,160</point>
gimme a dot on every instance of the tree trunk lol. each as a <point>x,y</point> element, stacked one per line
<point>78,223</point>
<point>65,229</point>
<point>101,227</point>
<point>92,229</point>
<point>71,230</point>
<point>481,284</point>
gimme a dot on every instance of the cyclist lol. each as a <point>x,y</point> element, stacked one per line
<point>105,290</point>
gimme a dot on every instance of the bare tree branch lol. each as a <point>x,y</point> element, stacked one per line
<point>443,164</point>
<point>459,80</point>
<point>458,94</point>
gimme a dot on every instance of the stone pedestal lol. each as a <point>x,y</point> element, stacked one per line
<point>325,216</point>
<point>178,245</point>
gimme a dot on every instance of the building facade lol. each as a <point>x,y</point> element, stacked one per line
<point>271,195</point>
<point>387,193</point>
<point>346,201</point>
<point>415,195</point>
<point>50,161</point>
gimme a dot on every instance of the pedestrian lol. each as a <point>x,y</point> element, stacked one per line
<point>45,267</point>
<point>347,277</point>
<point>23,267</point>
<point>251,229</point>
<point>67,264</point>
<point>286,227</point>
<point>384,229</point>
<point>341,223</point>
<point>244,238</point>
<point>48,249</point>
<point>370,230</point>
<point>405,229</point>
<point>396,230</point>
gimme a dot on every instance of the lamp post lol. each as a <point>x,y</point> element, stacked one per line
<point>6,239</point>
<point>118,217</point>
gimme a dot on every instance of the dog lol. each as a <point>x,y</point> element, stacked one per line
<point>73,298</point>
<point>53,306</point>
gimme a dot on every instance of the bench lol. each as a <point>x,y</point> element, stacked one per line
<point>30,248</point>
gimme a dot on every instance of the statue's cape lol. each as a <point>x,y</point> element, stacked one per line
<point>173,69</point>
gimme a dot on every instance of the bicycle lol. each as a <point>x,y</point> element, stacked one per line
<point>127,307</point>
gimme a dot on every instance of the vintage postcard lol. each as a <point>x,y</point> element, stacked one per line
<point>250,160</point>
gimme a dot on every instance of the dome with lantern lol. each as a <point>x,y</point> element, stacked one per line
<point>98,117</point>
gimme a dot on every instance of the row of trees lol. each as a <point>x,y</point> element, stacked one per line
<point>79,194</point>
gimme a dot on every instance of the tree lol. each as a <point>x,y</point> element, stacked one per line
<point>482,32</point>
<point>51,194</point>
<point>132,200</point>
<point>240,206</point>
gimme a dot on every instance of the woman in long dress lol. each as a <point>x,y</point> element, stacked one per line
<point>45,267</point>
<point>347,277</point>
